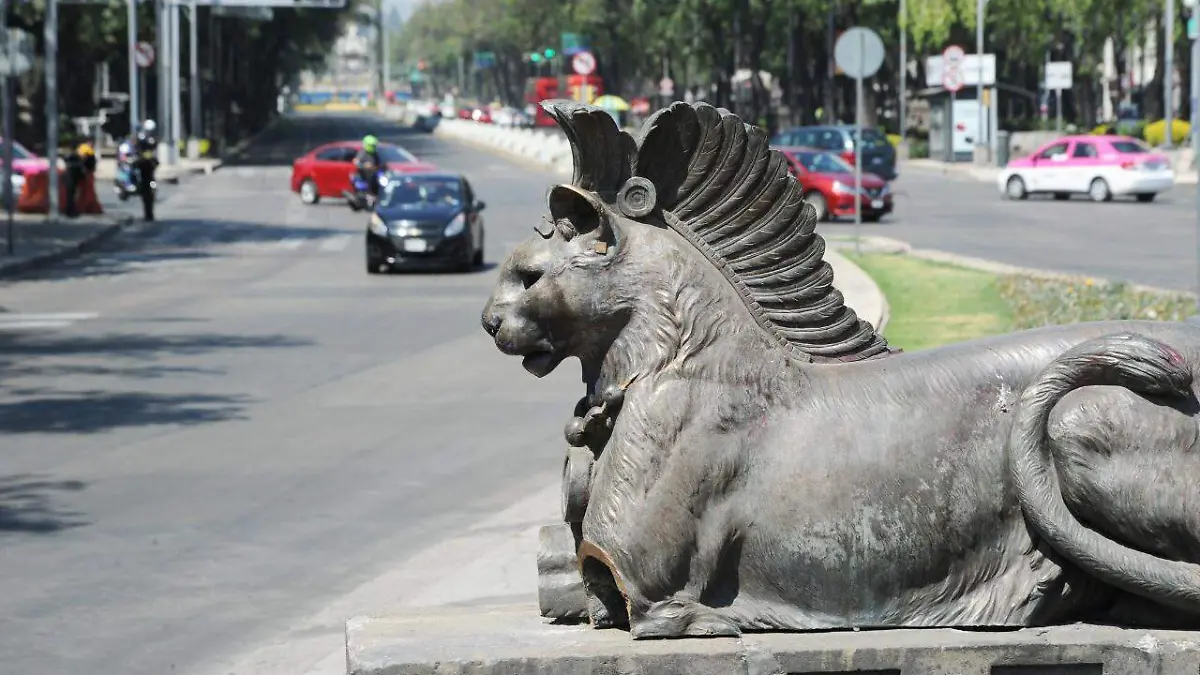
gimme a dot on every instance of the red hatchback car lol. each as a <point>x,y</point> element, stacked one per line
<point>325,172</point>
<point>828,184</point>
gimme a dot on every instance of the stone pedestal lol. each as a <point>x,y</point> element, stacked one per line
<point>513,640</point>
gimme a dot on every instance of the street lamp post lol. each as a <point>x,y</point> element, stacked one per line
<point>1193,33</point>
<point>1169,74</point>
<point>979,134</point>
<point>903,78</point>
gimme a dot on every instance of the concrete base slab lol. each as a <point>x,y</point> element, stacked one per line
<point>514,640</point>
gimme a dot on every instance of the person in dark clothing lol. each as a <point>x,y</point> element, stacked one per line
<point>367,162</point>
<point>80,164</point>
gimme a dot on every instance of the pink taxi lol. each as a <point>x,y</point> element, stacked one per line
<point>1102,167</point>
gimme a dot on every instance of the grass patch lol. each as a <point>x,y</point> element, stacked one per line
<point>934,303</point>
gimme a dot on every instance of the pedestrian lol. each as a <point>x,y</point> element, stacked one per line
<point>81,163</point>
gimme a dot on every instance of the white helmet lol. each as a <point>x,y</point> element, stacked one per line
<point>149,126</point>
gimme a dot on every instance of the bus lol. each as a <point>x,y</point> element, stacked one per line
<point>579,88</point>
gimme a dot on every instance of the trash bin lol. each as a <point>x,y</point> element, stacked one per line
<point>1002,148</point>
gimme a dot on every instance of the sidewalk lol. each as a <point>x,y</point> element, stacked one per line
<point>38,241</point>
<point>106,169</point>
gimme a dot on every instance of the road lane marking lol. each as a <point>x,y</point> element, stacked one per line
<point>292,243</point>
<point>19,322</point>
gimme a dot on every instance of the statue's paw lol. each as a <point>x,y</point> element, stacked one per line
<point>712,624</point>
<point>679,618</point>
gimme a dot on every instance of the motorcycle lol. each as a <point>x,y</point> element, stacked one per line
<point>125,186</point>
<point>360,196</point>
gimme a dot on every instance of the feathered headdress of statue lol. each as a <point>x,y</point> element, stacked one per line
<point>713,179</point>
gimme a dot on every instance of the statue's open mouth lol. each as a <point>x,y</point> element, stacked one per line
<point>541,362</point>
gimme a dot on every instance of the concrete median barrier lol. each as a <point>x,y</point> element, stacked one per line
<point>549,150</point>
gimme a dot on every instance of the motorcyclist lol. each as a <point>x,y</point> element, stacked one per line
<point>130,148</point>
<point>367,163</point>
<point>145,157</point>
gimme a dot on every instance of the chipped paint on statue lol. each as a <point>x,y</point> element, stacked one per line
<point>755,457</point>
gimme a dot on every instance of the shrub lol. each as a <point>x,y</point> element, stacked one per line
<point>1102,130</point>
<point>894,139</point>
<point>1155,132</point>
<point>1045,302</point>
<point>918,149</point>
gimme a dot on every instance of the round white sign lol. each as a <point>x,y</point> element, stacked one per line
<point>952,79</point>
<point>859,52</point>
<point>143,54</point>
<point>953,55</point>
<point>584,63</point>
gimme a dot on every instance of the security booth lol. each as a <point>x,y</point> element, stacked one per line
<point>953,123</point>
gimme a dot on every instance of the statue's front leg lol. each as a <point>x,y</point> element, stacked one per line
<point>673,568</point>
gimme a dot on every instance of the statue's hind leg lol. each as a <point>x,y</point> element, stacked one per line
<point>1129,468</point>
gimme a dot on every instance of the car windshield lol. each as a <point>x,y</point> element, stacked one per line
<point>391,153</point>
<point>823,162</point>
<point>872,138</point>
<point>1130,147</point>
<point>421,192</point>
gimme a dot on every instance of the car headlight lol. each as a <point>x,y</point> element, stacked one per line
<point>456,225</point>
<point>377,225</point>
<point>841,188</point>
<point>886,189</point>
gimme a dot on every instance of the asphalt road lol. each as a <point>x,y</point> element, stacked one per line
<point>1154,244</point>
<point>222,437</point>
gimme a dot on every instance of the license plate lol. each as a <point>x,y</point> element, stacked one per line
<point>877,203</point>
<point>416,245</point>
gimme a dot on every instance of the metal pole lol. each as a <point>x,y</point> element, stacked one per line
<point>903,76</point>
<point>51,39</point>
<point>386,57</point>
<point>858,143</point>
<point>1196,141</point>
<point>1058,110</point>
<point>134,95</point>
<point>9,198</point>
<point>176,89</point>
<point>162,84</point>
<point>194,131</point>
<point>1169,74</point>
<point>979,134</point>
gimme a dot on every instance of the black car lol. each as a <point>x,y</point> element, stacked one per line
<point>425,219</point>
<point>879,157</point>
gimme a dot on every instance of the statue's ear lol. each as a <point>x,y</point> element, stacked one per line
<point>578,213</point>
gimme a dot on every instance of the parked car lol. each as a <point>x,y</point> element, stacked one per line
<point>879,157</point>
<point>828,184</point>
<point>325,171</point>
<point>24,162</point>
<point>426,219</point>
<point>1101,167</point>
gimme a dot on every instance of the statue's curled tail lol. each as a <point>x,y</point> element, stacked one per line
<point>1141,365</point>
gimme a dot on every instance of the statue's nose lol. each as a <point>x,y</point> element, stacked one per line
<point>491,323</point>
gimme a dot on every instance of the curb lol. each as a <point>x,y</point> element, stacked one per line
<point>878,244</point>
<point>103,234</point>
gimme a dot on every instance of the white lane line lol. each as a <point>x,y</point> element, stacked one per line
<point>292,243</point>
<point>336,243</point>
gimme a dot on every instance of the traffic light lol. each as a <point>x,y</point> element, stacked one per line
<point>535,57</point>
<point>549,53</point>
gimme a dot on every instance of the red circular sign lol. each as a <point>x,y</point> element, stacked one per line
<point>584,63</point>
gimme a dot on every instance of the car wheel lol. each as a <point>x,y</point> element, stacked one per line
<point>309,194</point>
<point>1015,188</point>
<point>1146,197</point>
<point>818,203</point>
<point>478,262</point>
<point>1099,191</point>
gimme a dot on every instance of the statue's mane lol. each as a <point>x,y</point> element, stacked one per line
<point>714,180</point>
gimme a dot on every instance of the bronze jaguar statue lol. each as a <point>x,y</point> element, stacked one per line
<point>764,461</point>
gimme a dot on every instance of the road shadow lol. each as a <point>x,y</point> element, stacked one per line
<point>184,240</point>
<point>27,505</point>
<point>298,134</point>
<point>124,358</point>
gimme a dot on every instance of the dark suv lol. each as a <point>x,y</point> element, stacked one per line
<point>879,157</point>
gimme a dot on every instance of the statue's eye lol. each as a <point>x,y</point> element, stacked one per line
<point>529,277</point>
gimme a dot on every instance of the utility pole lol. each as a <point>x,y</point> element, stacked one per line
<point>386,54</point>
<point>1169,75</point>
<point>50,33</point>
<point>1193,33</point>
<point>134,94</point>
<point>981,129</point>
<point>194,131</point>
<point>10,199</point>
<point>176,90</point>
<point>903,79</point>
